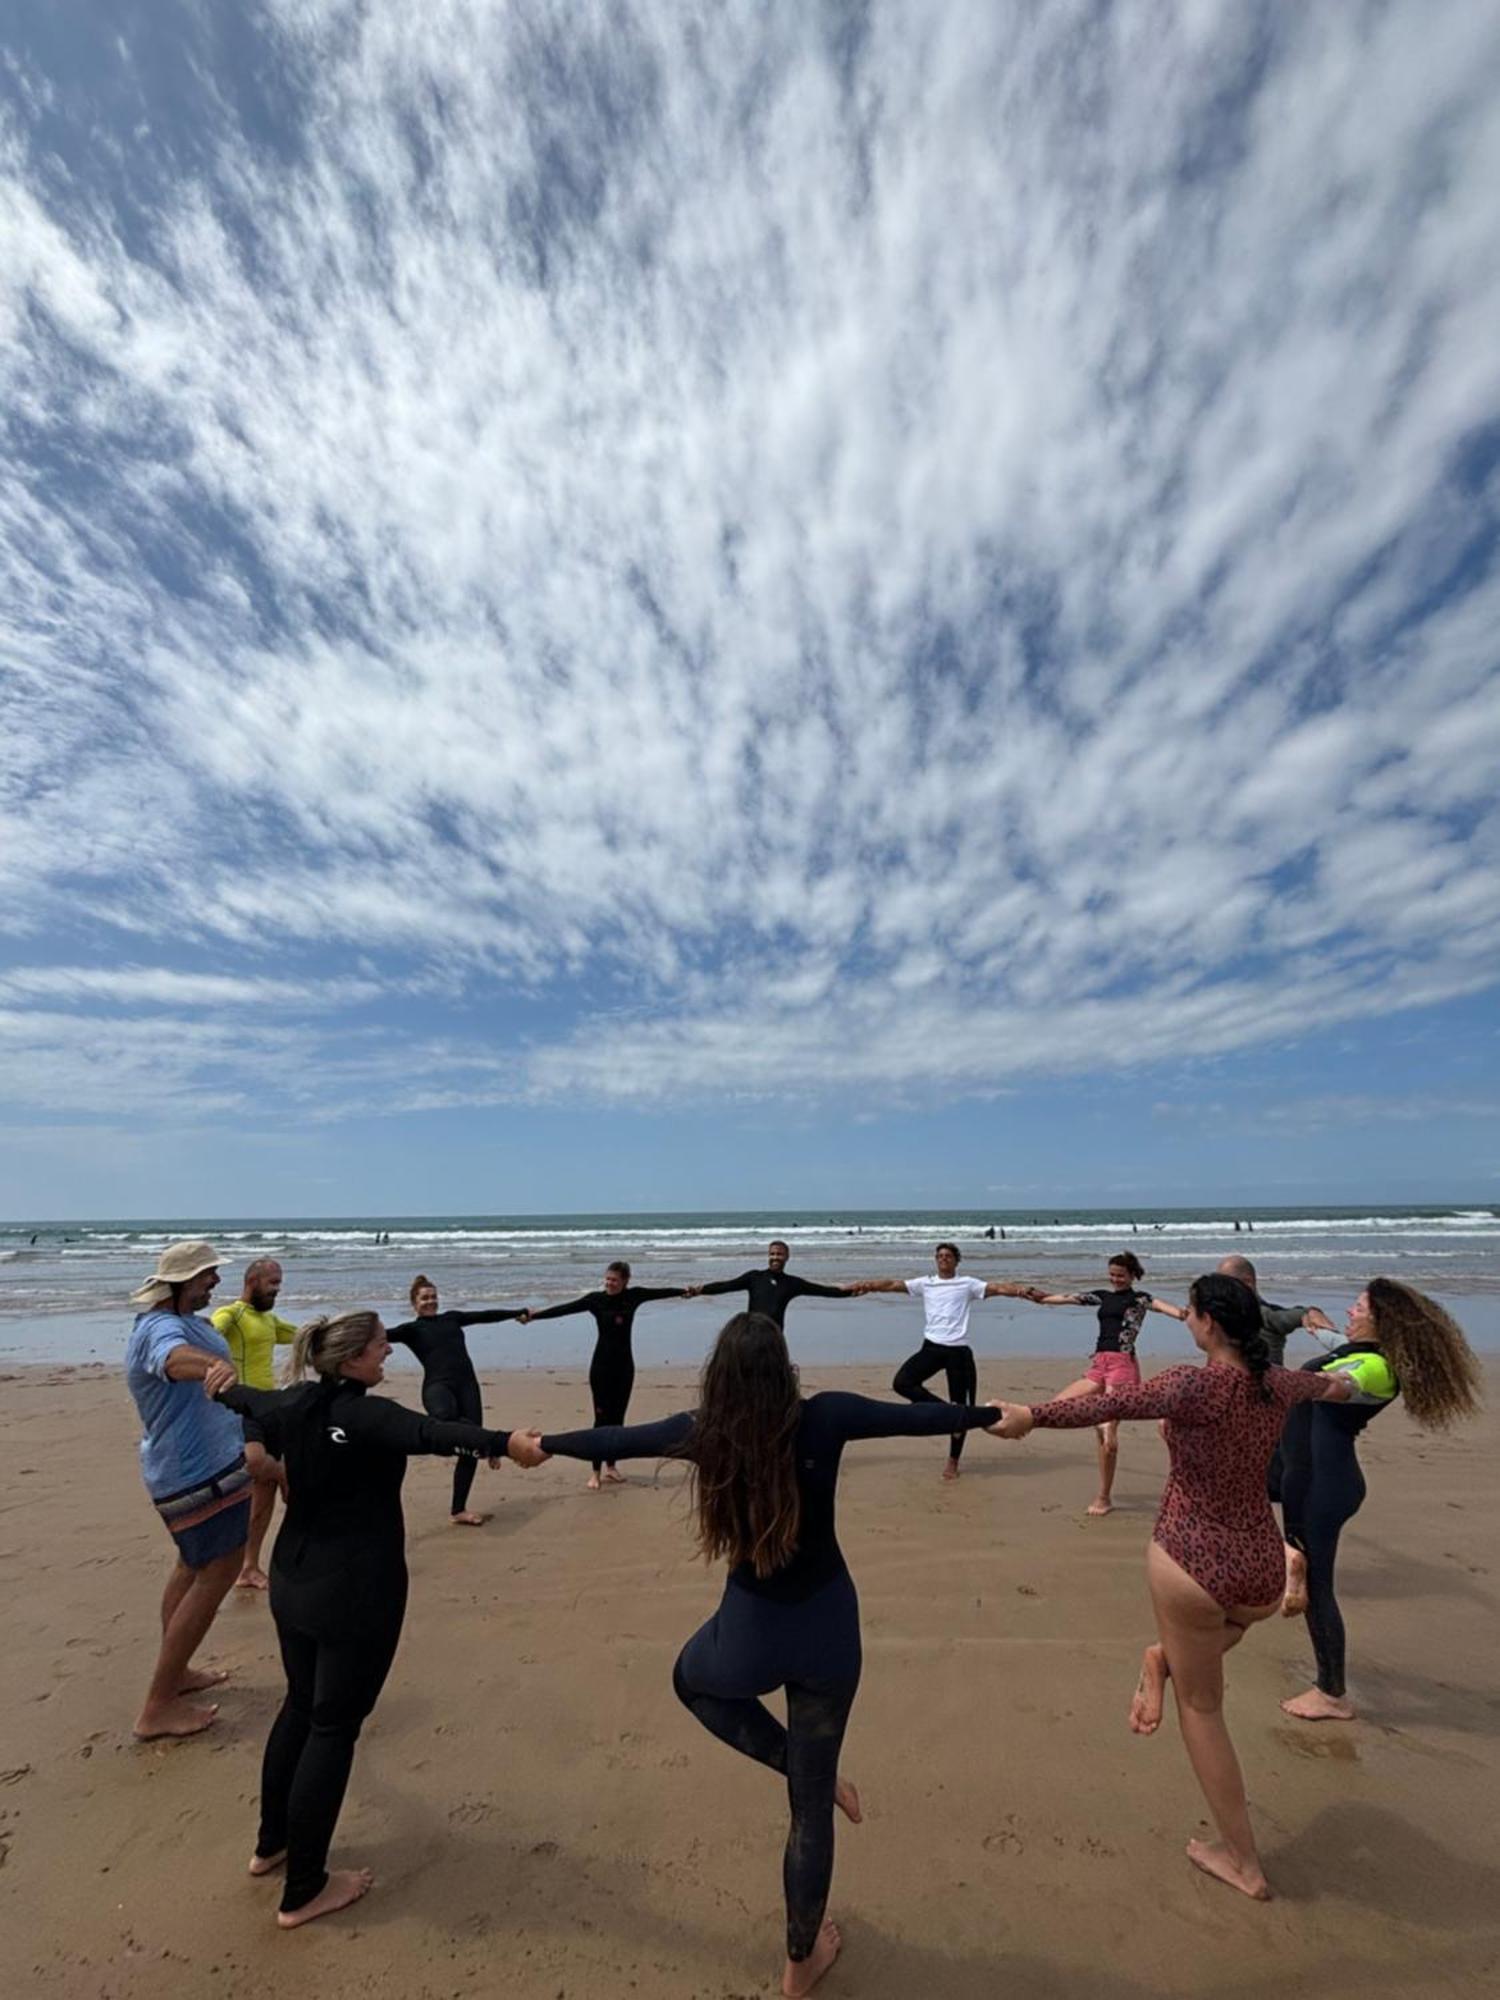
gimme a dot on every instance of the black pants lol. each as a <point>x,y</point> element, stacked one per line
<point>330,1688</point>
<point>963,1380</point>
<point>456,1402</point>
<point>611,1379</point>
<point>806,1753</point>
<point>1322,1488</point>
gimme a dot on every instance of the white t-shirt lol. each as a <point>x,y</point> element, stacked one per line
<point>947,1302</point>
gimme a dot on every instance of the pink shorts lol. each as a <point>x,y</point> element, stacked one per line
<point>1115,1371</point>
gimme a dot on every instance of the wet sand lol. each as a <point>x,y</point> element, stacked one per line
<point>544,1820</point>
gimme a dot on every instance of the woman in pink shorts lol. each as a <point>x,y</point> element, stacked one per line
<point>1122,1312</point>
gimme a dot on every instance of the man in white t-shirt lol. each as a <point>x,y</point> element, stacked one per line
<point>946,1300</point>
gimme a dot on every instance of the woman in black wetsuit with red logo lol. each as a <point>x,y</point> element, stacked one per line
<point>450,1388</point>
<point>612,1369</point>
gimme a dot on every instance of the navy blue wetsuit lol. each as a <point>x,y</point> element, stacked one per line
<point>612,1365</point>
<point>771,1292</point>
<point>450,1388</point>
<point>797,1628</point>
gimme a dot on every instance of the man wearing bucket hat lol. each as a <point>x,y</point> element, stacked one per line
<point>193,1463</point>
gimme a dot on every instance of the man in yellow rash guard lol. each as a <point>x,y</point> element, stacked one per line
<point>254,1332</point>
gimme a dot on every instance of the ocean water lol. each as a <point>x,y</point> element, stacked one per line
<point>64,1286</point>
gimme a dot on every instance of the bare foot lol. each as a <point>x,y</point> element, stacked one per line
<point>1294,1599</point>
<point>1216,1860</point>
<point>343,1887</point>
<point>1098,1508</point>
<point>1315,1706</point>
<point>594,1482</point>
<point>469,1519</point>
<point>802,1975</point>
<point>196,1679</point>
<point>612,1477</point>
<point>264,1864</point>
<point>1150,1692</point>
<point>173,1718</point>
<point>252,1577</point>
<point>950,1471</point>
<point>846,1798</point>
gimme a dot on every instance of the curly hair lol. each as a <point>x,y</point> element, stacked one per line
<point>1235,1310</point>
<point>743,1447</point>
<point>1425,1345</point>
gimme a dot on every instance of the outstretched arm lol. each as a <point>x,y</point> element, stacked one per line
<point>1166,1306</point>
<point>1185,1394</point>
<point>862,1285</point>
<point>1060,1299</point>
<point>583,1305</point>
<point>492,1318</point>
<point>806,1288</point>
<point>260,1410</point>
<point>720,1286</point>
<point>374,1420</point>
<point>613,1442</point>
<point>1006,1288</point>
<point>853,1416</point>
<point>645,1294</point>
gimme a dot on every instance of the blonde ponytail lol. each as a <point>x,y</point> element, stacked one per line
<point>323,1345</point>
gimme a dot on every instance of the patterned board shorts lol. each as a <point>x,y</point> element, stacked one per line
<point>211,1519</point>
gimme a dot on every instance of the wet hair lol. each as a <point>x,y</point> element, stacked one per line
<point>621,1266</point>
<point>324,1345</point>
<point>1236,1266</point>
<point>744,1448</point>
<point>958,1255</point>
<point>1235,1311</point>
<point>420,1284</point>
<point>1425,1346</point>
<point>1128,1261</point>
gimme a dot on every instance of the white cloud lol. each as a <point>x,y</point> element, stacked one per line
<point>887,577</point>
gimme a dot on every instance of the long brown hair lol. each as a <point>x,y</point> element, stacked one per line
<point>744,1447</point>
<point>1425,1345</point>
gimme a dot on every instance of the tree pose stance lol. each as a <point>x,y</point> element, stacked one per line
<point>338,1582</point>
<point>1400,1343</point>
<point>1215,1564</point>
<point>765,1465</point>
<point>1122,1313</point>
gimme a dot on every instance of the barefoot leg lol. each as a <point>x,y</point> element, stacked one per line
<point>846,1798</point>
<point>1107,1437</point>
<point>343,1887</point>
<point>1196,1633</point>
<point>1294,1599</point>
<point>468,1519</point>
<point>1150,1692</point>
<point>802,1974</point>
<point>189,1604</point>
<point>262,1500</point>
<point>1315,1706</point>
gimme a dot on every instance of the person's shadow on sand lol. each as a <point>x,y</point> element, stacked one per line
<point>1365,1855</point>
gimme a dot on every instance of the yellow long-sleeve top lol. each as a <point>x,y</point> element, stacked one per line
<point>253,1339</point>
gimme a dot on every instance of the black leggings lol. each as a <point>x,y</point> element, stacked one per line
<point>1322,1487</point>
<point>963,1380</point>
<point>806,1752</point>
<point>330,1689</point>
<point>611,1379</point>
<point>456,1402</point>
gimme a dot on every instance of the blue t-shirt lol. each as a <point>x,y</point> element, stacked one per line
<point>187,1438</point>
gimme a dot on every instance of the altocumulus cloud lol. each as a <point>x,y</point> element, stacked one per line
<point>819,546</point>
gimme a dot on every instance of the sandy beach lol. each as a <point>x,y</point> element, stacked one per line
<point>544,1820</point>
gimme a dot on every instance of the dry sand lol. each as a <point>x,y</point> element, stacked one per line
<point>543,1819</point>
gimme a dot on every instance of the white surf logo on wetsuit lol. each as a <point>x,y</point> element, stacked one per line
<point>336,1435</point>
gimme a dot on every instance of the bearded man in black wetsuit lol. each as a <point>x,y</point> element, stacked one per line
<point>772,1290</point>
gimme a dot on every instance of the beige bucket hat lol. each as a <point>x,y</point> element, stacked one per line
<point>176,1264</point>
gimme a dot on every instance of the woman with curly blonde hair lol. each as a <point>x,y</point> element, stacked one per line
<point>1400,1343</point>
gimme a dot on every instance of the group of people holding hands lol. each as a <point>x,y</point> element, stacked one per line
<point>763,1461</point>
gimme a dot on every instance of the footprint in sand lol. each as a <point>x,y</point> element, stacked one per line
<point>1340,1749</point>
<point>15,1774</point>
<point>1005,1840</point>
<point>1027,1590</point>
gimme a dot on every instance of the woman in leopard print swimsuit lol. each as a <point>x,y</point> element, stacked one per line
<point>1215,1565</point>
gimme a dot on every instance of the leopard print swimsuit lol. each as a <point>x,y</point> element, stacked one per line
<point>1215,1520</point>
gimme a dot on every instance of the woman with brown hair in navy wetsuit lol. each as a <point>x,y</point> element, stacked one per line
<point>1215,1565</point>
<point>765,1466</point>
<point>450,1388</point>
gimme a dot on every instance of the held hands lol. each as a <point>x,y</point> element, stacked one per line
<point>218,1376</point>
<point>524,1315</point>
<point>1317,1319</point>
<point>1015,1420</point>
<point>525,1449</point>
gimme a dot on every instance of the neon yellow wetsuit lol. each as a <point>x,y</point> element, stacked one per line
<point>253,1339</point>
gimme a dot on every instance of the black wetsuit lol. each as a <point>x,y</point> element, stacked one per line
<point>612,1366</point>
<point>771,1292</point>
<point>338,1592</point>
<point>1278,1324</point>
<point>1322,1488</point>
<point>797,1629</point>
<point>450,1388</point>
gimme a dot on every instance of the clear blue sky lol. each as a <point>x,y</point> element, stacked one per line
<point>643,609</point>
